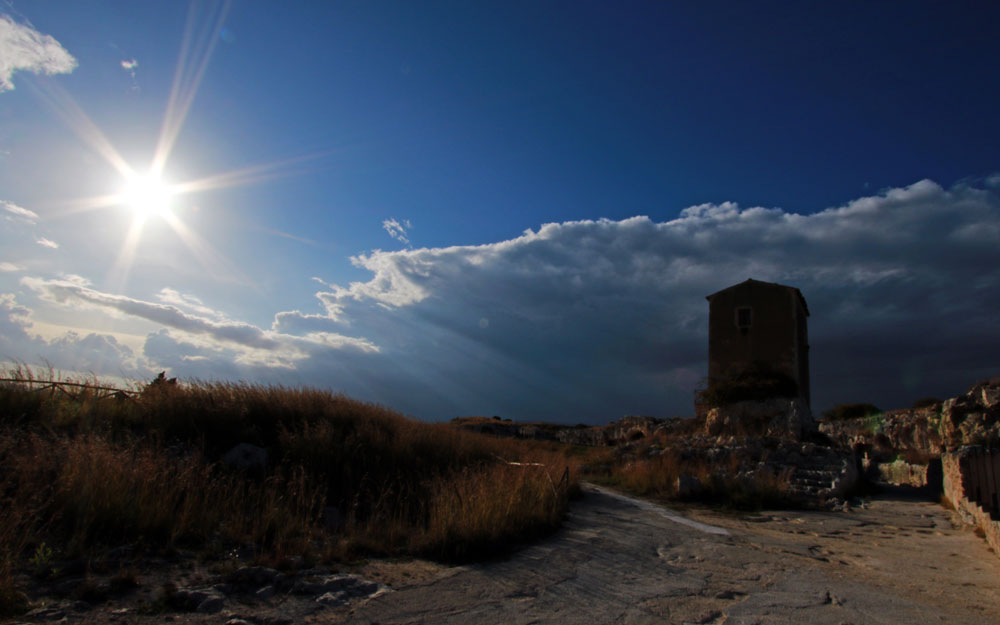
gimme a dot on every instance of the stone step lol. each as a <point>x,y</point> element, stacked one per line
<point>816,479</point>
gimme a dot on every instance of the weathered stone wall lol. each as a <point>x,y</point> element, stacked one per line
<point>972,418</point>
<point>971,484</point>
<point>782,418</point>
<point>902,473</point>
<point>777,334</point>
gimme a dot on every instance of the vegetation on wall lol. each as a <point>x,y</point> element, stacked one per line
<point>843,412</point>
<point>723,482</point>
<point>927,402</point>
<point>757,382</point>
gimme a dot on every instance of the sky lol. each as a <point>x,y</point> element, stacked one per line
<point>498,208</point>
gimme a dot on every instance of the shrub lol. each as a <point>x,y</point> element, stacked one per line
<point>723,480</point>
<point>926,402</point>
<point>757,382</point>
<point>842,412</point>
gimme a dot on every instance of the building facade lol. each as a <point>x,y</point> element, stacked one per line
<point>756,322</point>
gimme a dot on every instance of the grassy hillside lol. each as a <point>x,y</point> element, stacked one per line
<point>82,474</point>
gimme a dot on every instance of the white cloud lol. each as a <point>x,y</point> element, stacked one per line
<point>47,243</point>
<point>397,230</point>
<point>89,353</point>
<point>19,212</point>
<point>253,345</point>
<point>589,320</point>
<point>130,67</point>
<point>8,267</point>
<point>22,48</point>
<point>587,305</point>
<point>190,302</point>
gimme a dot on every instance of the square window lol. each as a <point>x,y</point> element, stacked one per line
<point>744,317</point>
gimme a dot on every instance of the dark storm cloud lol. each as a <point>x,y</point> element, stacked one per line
<point>590,320</point>
<point>599,318</point>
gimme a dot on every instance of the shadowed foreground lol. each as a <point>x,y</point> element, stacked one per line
<point>623,561</point>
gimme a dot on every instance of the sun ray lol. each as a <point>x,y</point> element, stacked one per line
<point>247,175</point>
<point>147,195</point>
<point>67,109</point>
<point>118,274</point>
<point>206,255</point>
<point>186,84</point>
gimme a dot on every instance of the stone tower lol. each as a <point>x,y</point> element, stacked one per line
<point>759,322</point>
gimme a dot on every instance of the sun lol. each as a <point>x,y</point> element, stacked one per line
<point>147,195</point>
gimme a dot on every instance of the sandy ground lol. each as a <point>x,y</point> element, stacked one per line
<point>621,560</point>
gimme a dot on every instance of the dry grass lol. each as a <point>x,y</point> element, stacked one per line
<point>81,474</point>
<point>723,481</point>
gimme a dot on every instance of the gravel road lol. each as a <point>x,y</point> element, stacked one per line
<point>621,560</point>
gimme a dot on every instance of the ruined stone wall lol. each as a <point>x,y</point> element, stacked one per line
<point>782,418</point>
<point>902,473</point>
<point>971,480</point>
<point>972,418</point>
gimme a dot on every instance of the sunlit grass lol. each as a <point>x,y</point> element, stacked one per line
<point>82,473</point>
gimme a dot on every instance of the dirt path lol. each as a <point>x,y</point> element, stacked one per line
<point>620,560</point>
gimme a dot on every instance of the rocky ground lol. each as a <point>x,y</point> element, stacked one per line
<point>619,560</point>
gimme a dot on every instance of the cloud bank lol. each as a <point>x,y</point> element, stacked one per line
<point>586,321</point>
<point>24,48</point>
<point>89,353</point>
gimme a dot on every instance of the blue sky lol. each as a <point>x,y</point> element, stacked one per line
<point>499,208</point>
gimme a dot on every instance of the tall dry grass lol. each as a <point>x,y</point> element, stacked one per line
<point>81,474</point>
<point>729,481</point>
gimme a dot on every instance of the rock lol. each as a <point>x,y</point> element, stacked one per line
<point>924,433</point>
<point>246,457</point>
<point>46,614</point>
<point>80,606</point>
<point>332,599</point>
<point>282,581</point>
<point>211,605</point>
<point>253,575</point>
<point>782,418</point>
<point>334,590</point>
<point>329,583</point>
<point>902,473</point>
<point>200,600</point>
<point>265,593</point>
